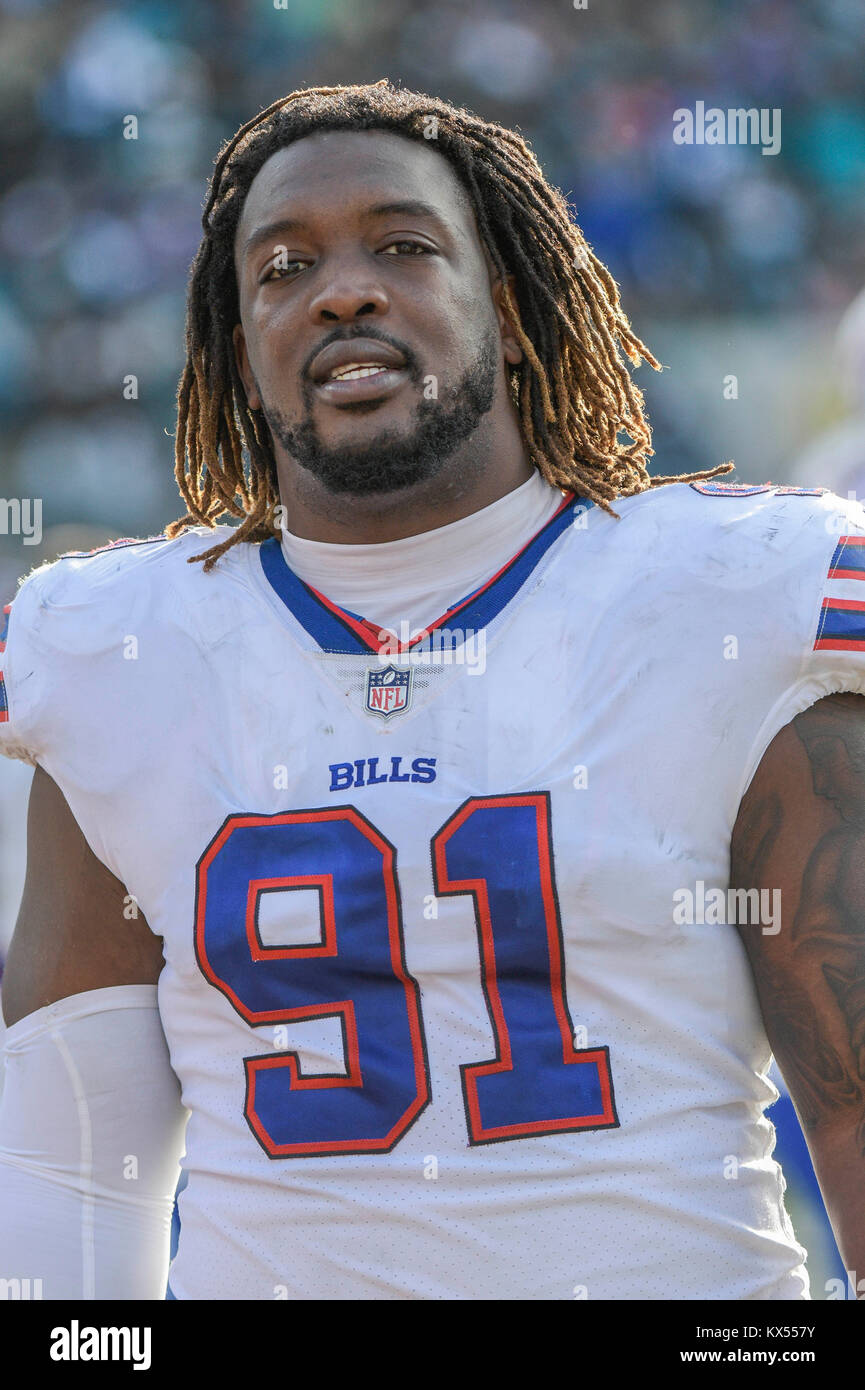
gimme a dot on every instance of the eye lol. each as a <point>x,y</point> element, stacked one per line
<point>278,272</point>
<point>413,247</point>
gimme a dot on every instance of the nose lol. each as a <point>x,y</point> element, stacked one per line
<point>348,292</point>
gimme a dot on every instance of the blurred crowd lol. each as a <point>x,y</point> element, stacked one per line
<point>97,230</point>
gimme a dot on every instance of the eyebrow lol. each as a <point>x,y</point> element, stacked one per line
<point>406,207</point>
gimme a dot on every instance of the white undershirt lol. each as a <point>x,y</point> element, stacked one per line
<point>416,579</point>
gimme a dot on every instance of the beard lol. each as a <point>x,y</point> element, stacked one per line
<point>395,458</point>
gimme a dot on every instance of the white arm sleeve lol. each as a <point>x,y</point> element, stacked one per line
<point>91,1134</point>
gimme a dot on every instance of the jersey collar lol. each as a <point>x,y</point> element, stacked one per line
<point>335,629</point>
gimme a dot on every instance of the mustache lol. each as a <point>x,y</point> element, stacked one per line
<point>362,330</point>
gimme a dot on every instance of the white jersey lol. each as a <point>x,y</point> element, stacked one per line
<point>442,1024</point>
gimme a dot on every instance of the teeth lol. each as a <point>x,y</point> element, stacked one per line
<point>353,372</point>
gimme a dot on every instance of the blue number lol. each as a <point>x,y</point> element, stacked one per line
<point>498,850</point>
<point>357,973</point>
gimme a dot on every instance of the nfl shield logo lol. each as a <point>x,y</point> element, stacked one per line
<point>388,691</point>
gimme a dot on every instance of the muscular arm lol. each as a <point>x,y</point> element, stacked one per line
<point>801,830</point>
<point>72,934</point>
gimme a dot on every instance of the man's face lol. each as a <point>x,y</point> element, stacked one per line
<point>372,335</point>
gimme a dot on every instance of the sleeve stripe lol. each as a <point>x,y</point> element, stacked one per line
<point>842,620</point>
<point>848,561</point>
<point>842,625</point>
<point>850,605</point>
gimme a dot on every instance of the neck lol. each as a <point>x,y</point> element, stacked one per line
<point>464,485</point>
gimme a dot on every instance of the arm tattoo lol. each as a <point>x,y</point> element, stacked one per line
<point>821,1048</point>
<point>849,989</point>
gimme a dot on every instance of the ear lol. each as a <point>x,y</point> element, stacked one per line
<point>510,343</point>
<point>241,357</point>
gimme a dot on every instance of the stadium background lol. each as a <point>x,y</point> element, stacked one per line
<point>730,262</point>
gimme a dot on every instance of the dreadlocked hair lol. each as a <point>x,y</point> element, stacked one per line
<point>573,388</point>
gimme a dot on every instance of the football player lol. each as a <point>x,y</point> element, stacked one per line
<point>453,836</point>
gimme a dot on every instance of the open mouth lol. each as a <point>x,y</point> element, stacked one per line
<point>355,372</point>
<point>359,370</point>
<point>362,384</point>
